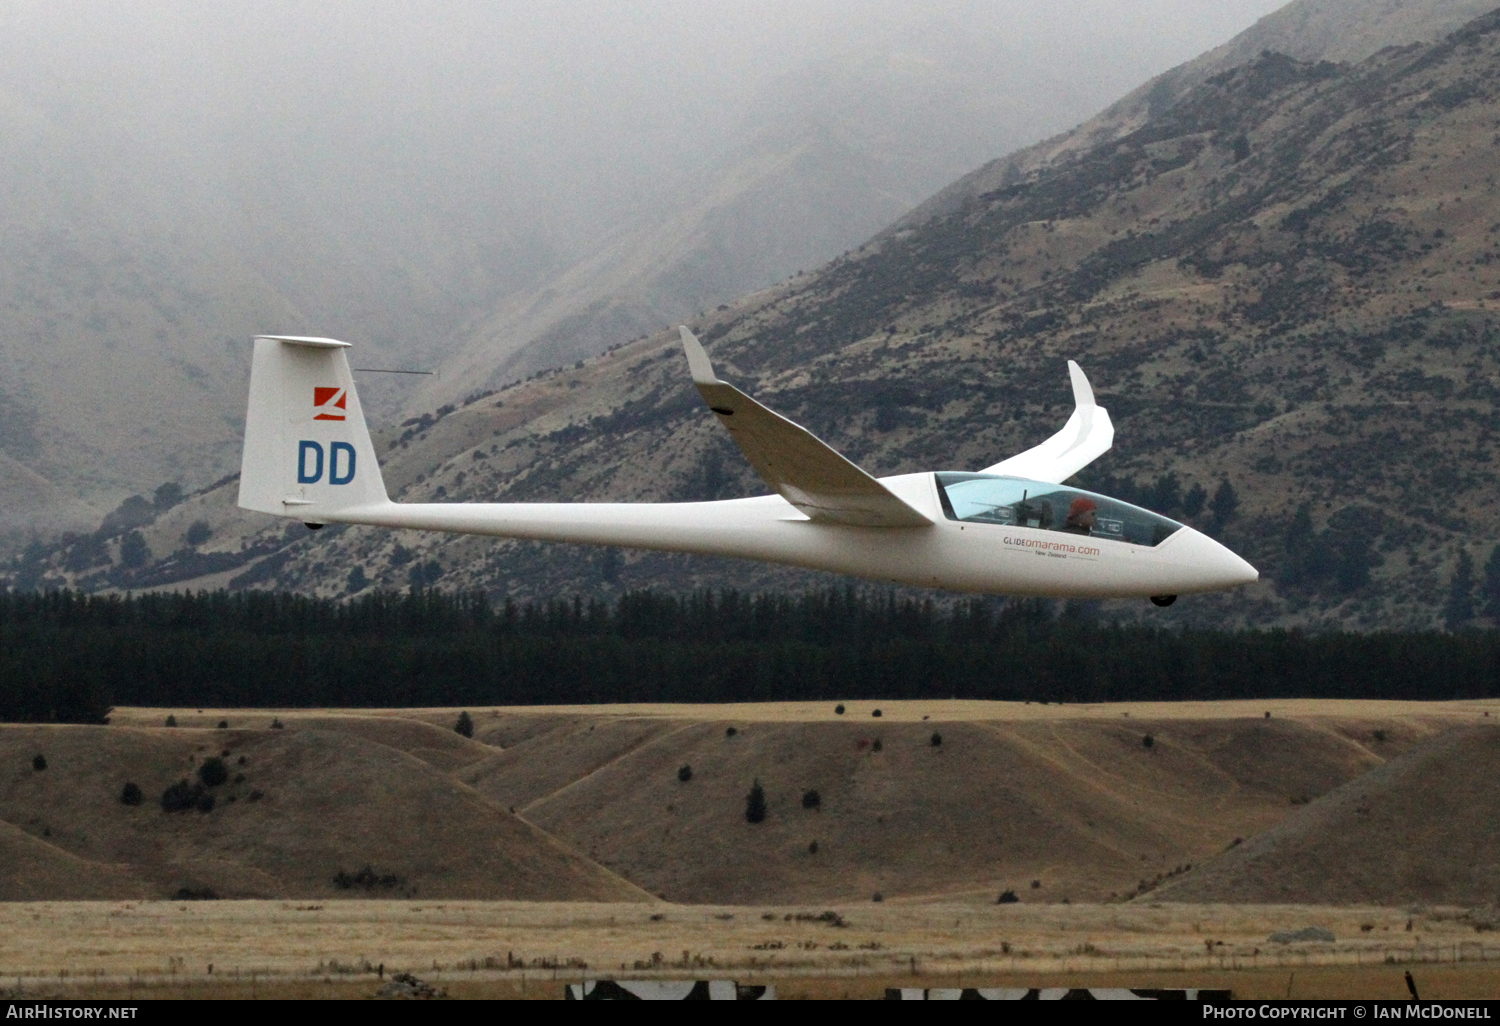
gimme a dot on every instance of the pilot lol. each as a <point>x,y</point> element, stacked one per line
<point>1081,516</point>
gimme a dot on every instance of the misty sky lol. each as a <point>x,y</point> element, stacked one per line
<point>579,106</point>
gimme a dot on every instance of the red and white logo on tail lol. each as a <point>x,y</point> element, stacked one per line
<point>330,403</point>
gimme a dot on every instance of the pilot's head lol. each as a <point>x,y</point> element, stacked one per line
<point>1083,512</point>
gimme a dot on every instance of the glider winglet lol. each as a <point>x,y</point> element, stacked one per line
<point>698,362</point>
<point>1086,436</point>
<point>805,470</point>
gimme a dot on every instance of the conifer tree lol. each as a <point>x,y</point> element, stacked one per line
<point>465,724</point>
<point>755,804</point>
<point>1489,590</point>
<point>1460,608</point>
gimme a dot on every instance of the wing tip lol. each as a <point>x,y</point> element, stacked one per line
<point>699,365</point>
<point>1083,392</point>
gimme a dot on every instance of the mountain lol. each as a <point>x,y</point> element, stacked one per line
<point>1283,282</point>
<point>1309,30</point>
<point>835,151</point>
<point>445,187</point>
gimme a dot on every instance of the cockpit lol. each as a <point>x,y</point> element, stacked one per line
<point>1014,501</point>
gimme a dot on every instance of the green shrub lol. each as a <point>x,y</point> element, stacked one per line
<point>277,725</point>
<point>1006,898</point>
<point>937,740</point>
<point>839,709</point>
<point>213,772</point>
<point>181,796</point>
<point>131,795</point>
<point>171,721</point>
<point>366,879</point>
<point>685,773</point>
<point>39,762</point>
<point>755,804</point>
<point>812,800</point>
<point>223,724</point>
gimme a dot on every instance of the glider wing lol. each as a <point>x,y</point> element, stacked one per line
<point>1087,435</point>
<point>804,469</point>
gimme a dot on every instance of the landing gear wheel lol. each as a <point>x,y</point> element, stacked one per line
<point>1163,600</point>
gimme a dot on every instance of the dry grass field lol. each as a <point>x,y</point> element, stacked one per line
<point>278,949</point>
<point>561,841</point>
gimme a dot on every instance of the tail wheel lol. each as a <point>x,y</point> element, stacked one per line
<point>1163,600</point>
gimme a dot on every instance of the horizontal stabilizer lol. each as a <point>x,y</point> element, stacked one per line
<point>805,470</point>
<point>1087,435</point>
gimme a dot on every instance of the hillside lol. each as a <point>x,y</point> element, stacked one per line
<point>1308,30</point>
<point>589,804</point>
<point>1285,281</point>
<point>437,186</point>
<point>302,806</point>
<point>1389,837</point>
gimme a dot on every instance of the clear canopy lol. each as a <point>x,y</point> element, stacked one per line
<point>1014,501</point>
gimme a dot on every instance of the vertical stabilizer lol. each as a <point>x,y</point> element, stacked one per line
<point>307,451</point>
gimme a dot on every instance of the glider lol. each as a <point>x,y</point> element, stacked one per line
<point>1012,529</point>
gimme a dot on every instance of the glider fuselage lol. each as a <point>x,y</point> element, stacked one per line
<point>997,559</point>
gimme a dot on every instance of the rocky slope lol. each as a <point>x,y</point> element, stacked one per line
<point>1309,30</point>
<point>1285,281</point>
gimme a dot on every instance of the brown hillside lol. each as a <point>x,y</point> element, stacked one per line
<point>1422,829</point>
<point>1084,807</point>
<point>313,803</point>
<point>1070,796</point>
<point>1287,279</point>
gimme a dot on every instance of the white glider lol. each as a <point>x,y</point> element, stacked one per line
<point>1011,529</point>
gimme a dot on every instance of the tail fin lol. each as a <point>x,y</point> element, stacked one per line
<point>307,451</point>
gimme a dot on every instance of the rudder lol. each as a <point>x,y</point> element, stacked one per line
<point>307,451</point>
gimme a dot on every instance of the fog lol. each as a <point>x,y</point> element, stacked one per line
<point>453,180</point>
<point>575,111</point>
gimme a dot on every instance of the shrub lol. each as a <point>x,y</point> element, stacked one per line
<point>131,795</point>
<point>205,803</point>
<point>875,713</point>
<point>877,896</point>
<point>189,894</point>
<point>685,773</point>
<point>755,804</point>
<point>213,772</point>
<point>465,725</point>
<point>811,800</point>
<point>239,778</point>
<point>1148,741</point>
<point>1006,898</point>
<point>839,709</point>
<point>877,746</point>
<point>366,879</point>
<point>171,721</point>
<point>39,762</point>
<point>730,732</point>
<point>277,725</point>
<point>223,724</point>
<point>181,796</point>
<point>937,740</point>
<point>242,760</point>
<point>812,849</point>
<point>197,533</point>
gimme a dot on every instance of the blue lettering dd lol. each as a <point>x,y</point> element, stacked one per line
<point>306,476</point>
<point>334,477</point>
